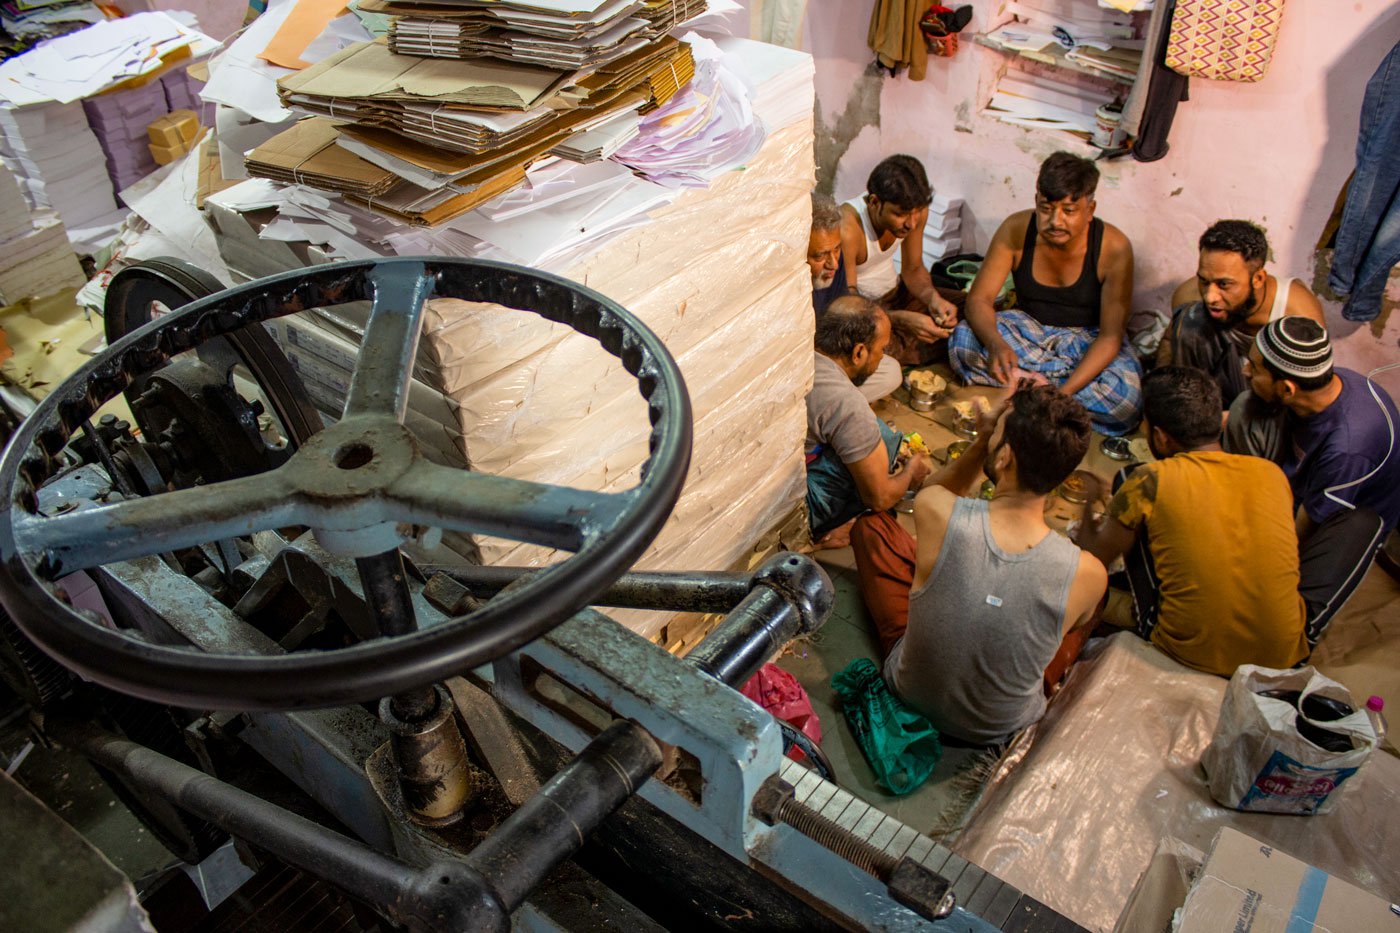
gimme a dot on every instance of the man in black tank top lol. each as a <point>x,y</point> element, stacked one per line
<point>1074,285</point>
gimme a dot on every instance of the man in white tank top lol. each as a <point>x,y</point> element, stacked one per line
<point>890,218</point>
<point>1218,313</point>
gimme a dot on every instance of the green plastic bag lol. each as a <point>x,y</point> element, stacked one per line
<point>964,271</point>
<point>900,745</point>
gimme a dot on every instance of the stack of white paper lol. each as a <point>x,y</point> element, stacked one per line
<point>35,257</point>
<point>943,229</point>
<point>57,161</point>
<point>779,80</point>
<point>119,120</point>
<point>1024,99</point>
<point>701,133</point>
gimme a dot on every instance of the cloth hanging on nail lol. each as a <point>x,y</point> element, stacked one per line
<point>896,39</point>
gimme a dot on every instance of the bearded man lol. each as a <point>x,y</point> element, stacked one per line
<point>1219,312</point>
<point>852,456</point>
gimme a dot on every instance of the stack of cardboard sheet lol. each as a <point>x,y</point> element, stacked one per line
<point>429,140</point>
<point>57,161</point>
<point>35,257</point>
<point>572,34</point>
<point>308,154</point>
<point>475,106</point>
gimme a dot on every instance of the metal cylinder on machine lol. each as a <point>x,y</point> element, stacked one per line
<point>437,781</point>
<point>553,824</point>
<point>790,596</point>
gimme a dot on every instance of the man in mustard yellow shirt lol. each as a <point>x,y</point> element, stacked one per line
<point>1207,538</point>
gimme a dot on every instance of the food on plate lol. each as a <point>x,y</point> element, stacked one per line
<point>921,380</point>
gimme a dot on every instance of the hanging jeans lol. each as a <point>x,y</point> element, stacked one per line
<point>1368,240</point>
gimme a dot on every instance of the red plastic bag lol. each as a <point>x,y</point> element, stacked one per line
<point>779,693</point>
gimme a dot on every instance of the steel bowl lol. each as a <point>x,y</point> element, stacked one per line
<point>1116,448</point>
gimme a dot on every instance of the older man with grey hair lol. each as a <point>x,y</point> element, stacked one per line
<point>829,283</point>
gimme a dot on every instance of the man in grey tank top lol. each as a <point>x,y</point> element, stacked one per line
<point>973,610</point>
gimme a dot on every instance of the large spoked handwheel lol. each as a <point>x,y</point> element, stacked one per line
<point>361,485</point>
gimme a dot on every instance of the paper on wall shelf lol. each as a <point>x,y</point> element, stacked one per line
<point>1038,101</point>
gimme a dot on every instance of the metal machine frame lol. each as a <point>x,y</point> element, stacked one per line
<point>664,751</point>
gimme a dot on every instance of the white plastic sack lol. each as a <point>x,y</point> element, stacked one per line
<point>1258,760</point>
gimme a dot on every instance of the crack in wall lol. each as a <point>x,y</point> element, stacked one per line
<point>862,110</point>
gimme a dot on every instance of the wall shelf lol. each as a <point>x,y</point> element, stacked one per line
<point>1054,56</point>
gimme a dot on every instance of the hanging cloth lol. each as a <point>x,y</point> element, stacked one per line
<point>895,37</point>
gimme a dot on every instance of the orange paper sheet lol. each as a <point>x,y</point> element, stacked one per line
<point>303,24</point>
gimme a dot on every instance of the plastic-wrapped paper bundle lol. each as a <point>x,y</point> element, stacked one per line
<point>1079,803</point>
<point>733,305</point>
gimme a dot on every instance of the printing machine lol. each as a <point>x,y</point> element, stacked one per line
<point>286,653</point>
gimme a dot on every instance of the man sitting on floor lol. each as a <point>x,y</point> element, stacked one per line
<point>1220,310</point>
<point>1333,432</point>
<point>1074,287</point>
<point>890,217</point>
<point>851,454</point>
<point>1206,536</point>
<point>824,253</point>
<point>973,609</point>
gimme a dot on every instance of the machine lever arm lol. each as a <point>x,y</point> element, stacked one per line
<point>477,893</point>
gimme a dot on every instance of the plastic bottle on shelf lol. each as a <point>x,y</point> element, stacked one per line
<point>1374,707</point>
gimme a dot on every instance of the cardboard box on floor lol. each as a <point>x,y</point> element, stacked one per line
<point>1249,887</point>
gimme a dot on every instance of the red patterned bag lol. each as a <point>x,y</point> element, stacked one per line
<point>1225,40</point>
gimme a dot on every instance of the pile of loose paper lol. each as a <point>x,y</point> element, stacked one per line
<point>74,115</point>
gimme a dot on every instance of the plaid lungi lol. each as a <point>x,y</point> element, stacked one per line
<point>1114,398</point>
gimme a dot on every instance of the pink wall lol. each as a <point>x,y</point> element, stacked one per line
<point>1276,152</point>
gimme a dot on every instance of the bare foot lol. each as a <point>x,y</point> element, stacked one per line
<point>838,537</point>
